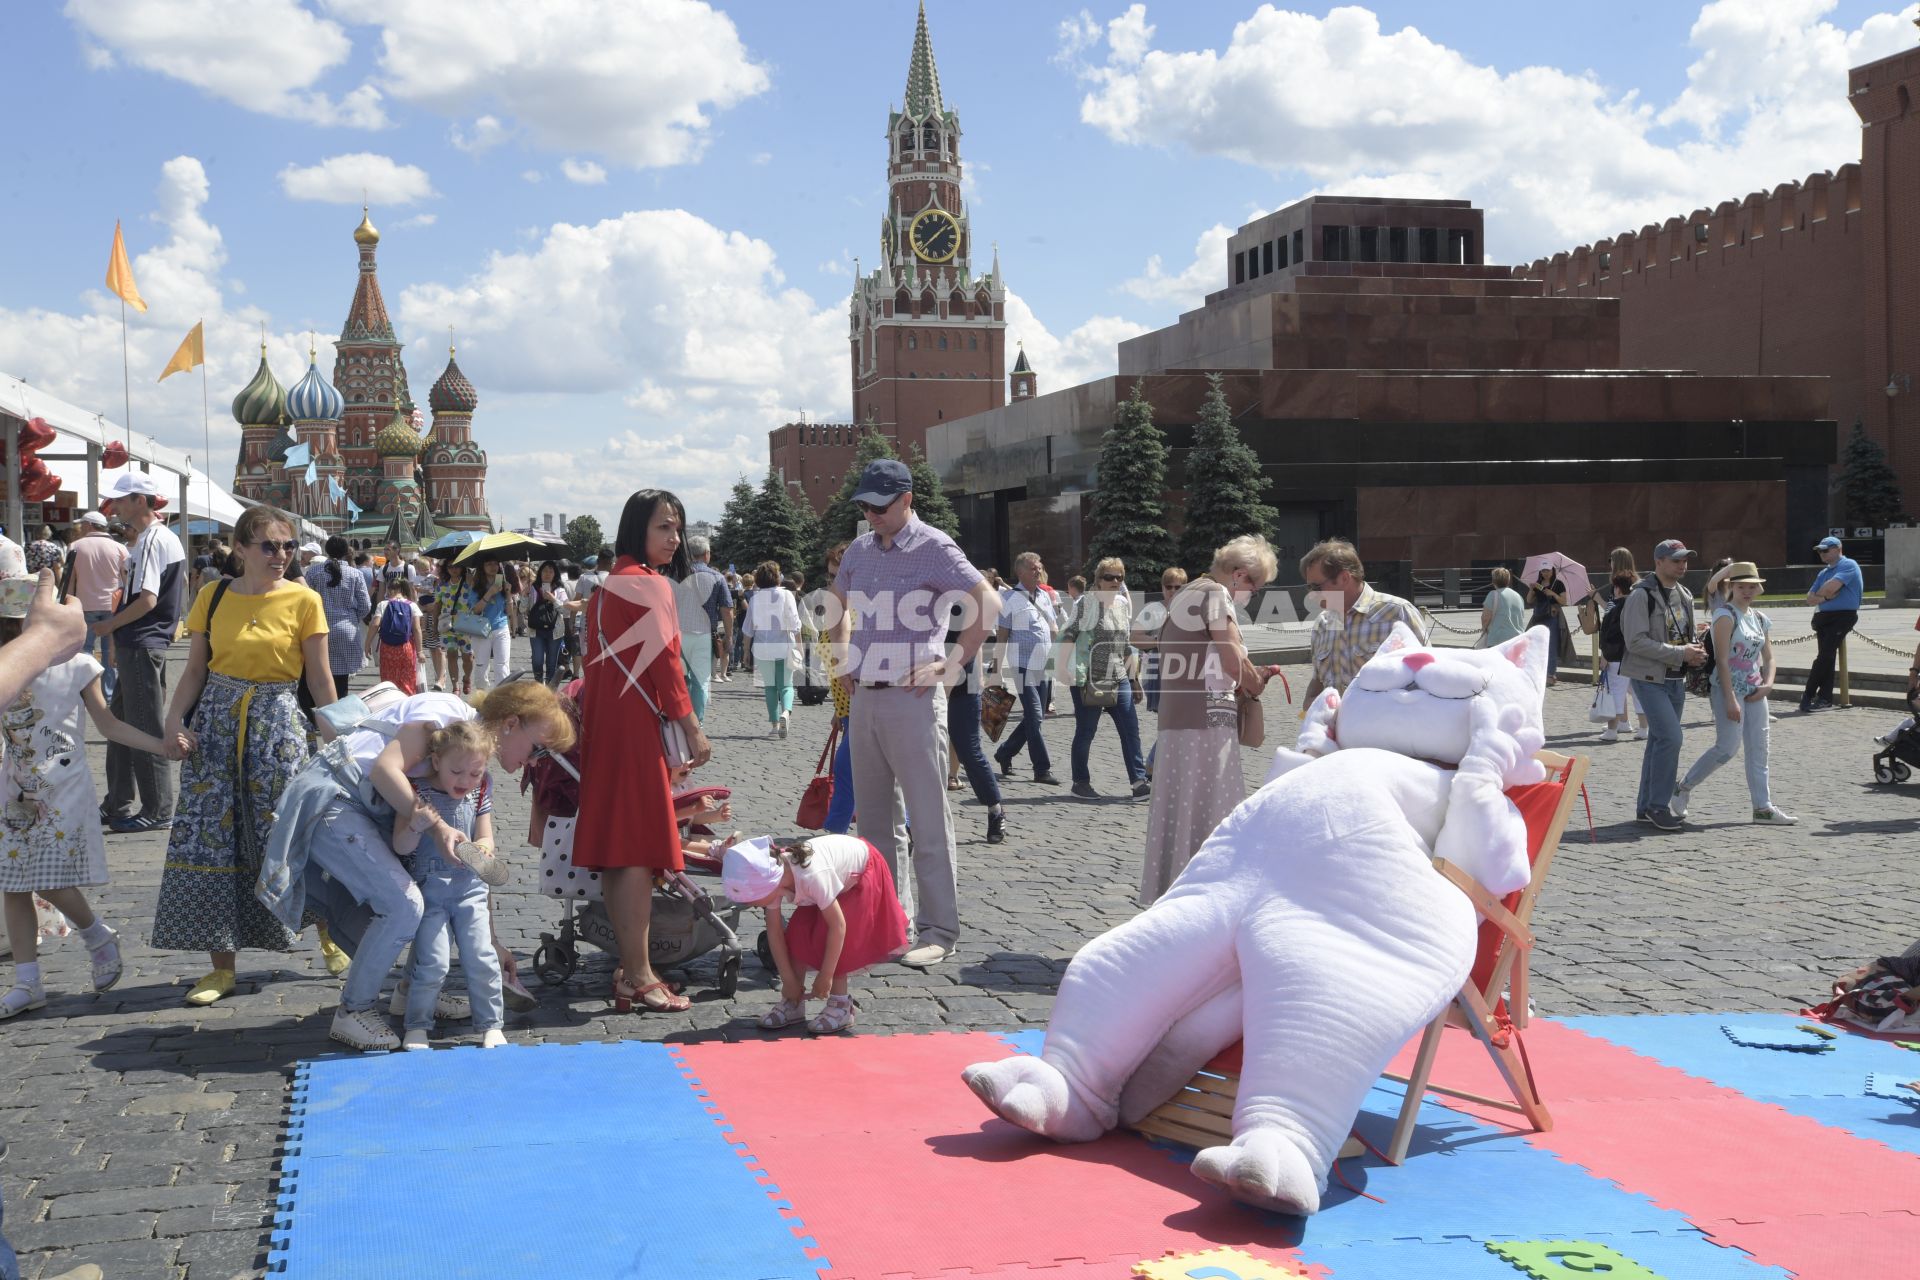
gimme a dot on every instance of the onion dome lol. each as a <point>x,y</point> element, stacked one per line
<point>453,393</point>
<point>277,451</point>
<point>364,233</point>
<point>313,398</point>
<point>398,439</point>
<point>263,400</point>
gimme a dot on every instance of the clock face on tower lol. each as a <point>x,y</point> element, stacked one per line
<point>934,235</point>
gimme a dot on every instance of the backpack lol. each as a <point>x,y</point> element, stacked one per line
<point>544,614</point>
<point>1613,639</point>
<point>396,624</point>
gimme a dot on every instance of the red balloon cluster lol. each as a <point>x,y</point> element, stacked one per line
<point>37,483</point>
<point>114,455</point>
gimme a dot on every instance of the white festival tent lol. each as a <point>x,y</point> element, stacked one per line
<point>81,437</point>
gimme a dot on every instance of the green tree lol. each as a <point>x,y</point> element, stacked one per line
<point>1224,485</point>
<point>782,530</point>
<point>842,519</point>
<point>735,519</point>
<point>584,537</point>
<point>1869,488</point>
<point>929,497</point>
<point>1129,511</point>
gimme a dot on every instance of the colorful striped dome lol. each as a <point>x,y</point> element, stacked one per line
<point>313,398</point>
<point>263,400</point>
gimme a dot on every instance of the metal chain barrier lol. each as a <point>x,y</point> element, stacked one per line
<point>1433,622</point>
<point>1884,648</point>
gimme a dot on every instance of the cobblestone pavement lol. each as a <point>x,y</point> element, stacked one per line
<point>144,1134</point>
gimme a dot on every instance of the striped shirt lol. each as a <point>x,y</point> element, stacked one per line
<point>1341,646</point>
<point>895,596</point>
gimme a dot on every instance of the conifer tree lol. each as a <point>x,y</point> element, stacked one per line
<point>842,519</point>
<point>1224,485</point>
<point>1869,487</point>
<point>734,521</point>
<point>1129,511</point>
<point>929,497</point>
<point>781,530</point>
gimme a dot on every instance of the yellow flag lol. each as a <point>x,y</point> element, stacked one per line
<point>120,273</point>
<point>193,351</point>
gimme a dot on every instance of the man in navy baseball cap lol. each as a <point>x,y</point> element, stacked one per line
<point>1835,597</point>
<point>884,480</point>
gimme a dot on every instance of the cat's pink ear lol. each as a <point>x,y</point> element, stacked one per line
<point>1401,637</point>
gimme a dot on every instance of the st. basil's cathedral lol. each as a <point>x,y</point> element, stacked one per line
<point>349,455</point>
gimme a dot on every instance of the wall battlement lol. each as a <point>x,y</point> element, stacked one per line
<point>1776,220</point>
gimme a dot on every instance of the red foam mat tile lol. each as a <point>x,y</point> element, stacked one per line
<point>895,1169</point>
<point>1737,1167</point>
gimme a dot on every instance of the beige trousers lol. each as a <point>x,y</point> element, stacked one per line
<point>899,747</point>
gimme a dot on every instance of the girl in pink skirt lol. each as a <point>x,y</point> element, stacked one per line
<point>846,917</point>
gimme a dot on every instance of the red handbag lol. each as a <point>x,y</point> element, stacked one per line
<point>818,797</point>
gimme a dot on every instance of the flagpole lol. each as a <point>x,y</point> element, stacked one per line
<point>126,376</point>
<point>206,420</point>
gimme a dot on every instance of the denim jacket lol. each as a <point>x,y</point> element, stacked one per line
<point>330,777</point>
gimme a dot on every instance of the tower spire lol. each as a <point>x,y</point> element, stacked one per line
<point>923,78</point>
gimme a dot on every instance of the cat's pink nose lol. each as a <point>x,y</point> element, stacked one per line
<point>1415,661</point>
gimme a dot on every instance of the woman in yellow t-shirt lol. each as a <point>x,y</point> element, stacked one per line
<point>253,638</point>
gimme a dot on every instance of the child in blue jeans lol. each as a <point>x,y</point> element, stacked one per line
<point>459,793</point>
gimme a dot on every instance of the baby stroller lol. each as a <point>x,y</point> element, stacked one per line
<point>687,921</point>
<point>1895,760</point>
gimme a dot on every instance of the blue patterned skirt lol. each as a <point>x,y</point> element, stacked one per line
<point>253,739</point>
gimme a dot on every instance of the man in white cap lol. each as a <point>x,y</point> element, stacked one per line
<point>142,629</point>
<point>897,677</point>
<point>99,562</point>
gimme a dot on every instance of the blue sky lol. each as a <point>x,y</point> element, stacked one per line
<point>647,256</point>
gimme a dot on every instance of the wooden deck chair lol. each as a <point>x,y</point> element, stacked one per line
<point>1201,1114</point>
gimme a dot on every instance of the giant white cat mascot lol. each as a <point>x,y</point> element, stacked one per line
<point>1317,898</point>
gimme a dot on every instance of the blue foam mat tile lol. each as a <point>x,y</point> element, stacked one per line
<point>1694,1043</point>
<point>464,1098</point>
<point>1687,1255</point>
<point>609,1137</point>
<point>1882,1120</point>
<point>1029,1041</point>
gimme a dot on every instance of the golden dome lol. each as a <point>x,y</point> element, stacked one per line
<point>364,233</point>
<point>398,439</point>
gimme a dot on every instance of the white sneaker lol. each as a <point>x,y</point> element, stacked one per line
<point>362,1029</point>
<point>1610,734</point>
<point>493,1038</point>
<point>782,726</point>
<point>1678,806</point>
<point>925,957</point>
<point>106,964</point>
<point>448,1007</point>
<point>415,1040</point>
<point>1633,735</point>
<point>1774,818</point>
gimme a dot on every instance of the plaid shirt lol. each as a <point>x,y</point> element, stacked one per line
<point>1341,646</point>
<point>893,594</point>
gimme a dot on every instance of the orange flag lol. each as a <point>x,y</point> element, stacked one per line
<point>120,273</point>
<point>192,352</point>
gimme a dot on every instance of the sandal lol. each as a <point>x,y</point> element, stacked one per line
<point>21,999</point>
<point>783,1015</point>
<point>835,1018</point>
<point>625,997</point>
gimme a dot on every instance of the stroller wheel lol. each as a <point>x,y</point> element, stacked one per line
<point>1901,771</point>
<point>1882,771</point>
<point>554,964</point>
<point>764,950</point>
<point>729,976</point>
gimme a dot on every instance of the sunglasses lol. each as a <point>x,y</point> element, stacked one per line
<point>873,510</point>
<point>274,548</point>
<point>1113,577</point>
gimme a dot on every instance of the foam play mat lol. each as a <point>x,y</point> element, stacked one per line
<point>1677,1151</point>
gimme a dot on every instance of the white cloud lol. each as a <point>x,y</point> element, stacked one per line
<point>1206,273</point>
<point>417,220</point>
<point>531,175</point>
<point>1554,157</point>
<point>728,350</point>
<point>763,157</point>
<point>263,55</point>
<point>351,179</point>
<point>76,354</point>
<point>1075,36</point>
<point>487,133</point>
<point>588,76</point>
<point>584,172</point>
<point>1087,352</point>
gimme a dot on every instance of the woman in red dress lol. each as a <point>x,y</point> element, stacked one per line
<point>633,679</point>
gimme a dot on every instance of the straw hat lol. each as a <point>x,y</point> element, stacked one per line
<point>1744,571</point>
